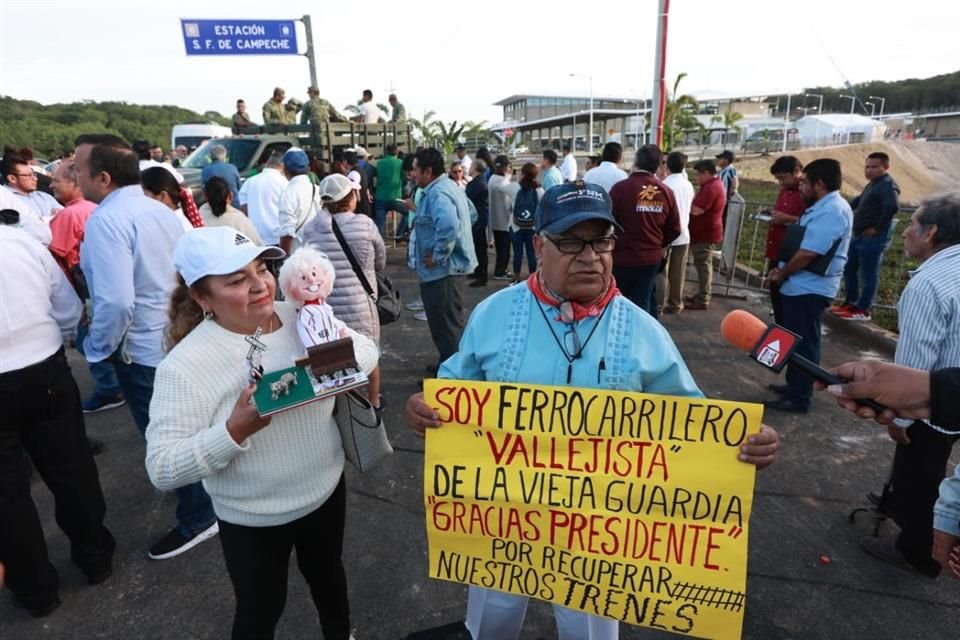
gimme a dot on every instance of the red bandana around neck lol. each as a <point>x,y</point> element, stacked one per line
<point>571,311</point>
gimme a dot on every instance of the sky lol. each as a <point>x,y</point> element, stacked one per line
<point>457,58</point>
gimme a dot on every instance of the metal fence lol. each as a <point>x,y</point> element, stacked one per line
<point>744,265</point>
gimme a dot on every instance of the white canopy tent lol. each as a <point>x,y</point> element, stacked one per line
<point>834,128</point>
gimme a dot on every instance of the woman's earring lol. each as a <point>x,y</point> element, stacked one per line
<point>208,315</point>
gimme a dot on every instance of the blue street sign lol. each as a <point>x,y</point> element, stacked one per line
<point>239,37</point>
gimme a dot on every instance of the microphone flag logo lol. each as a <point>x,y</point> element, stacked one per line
<point>775,347</point>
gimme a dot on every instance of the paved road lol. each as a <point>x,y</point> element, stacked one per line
<point>829,460</point>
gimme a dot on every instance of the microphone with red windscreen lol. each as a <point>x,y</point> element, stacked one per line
<point>773,347</point>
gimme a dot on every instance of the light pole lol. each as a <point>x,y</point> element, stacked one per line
<point>590,136</point>
<point>883,101</point>
<point>636,134</point>
<point>819,113</point>
<point>853,105</point>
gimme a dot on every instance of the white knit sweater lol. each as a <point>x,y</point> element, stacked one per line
<point>281,473</point>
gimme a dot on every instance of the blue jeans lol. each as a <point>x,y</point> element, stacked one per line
<point>801,314</point>
<point>862,271</point>
<point>194,509</point>
<point>104,376</point>
<point>380,209</point>
<point>523,240</point>
<point>639,285</point>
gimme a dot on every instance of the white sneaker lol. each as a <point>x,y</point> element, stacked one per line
<point>416,305</point>
<point>420,315</point>
<point>175,543</point>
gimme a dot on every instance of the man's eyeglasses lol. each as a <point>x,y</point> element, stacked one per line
<point>25,175</point>
<point>571,245</point>
<point>571,343</point>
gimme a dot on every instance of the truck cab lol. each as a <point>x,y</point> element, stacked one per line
<point>250,150</point>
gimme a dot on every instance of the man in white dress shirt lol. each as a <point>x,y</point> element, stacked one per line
<point>30,222</point>
<point>299,201</point>
<point>42,416</point>
<point>568,168</point>
<point>609,172</point>
<point>22,182</point>
<point>464,159</point>
<point>260,199</point>
<point>671,280</point>
<point>36,208</point>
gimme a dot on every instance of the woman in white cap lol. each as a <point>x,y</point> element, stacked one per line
<point>349,298</point>
<point>276,483</point>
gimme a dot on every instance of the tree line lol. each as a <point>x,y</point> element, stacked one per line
<point>917,95</point>
<point>51,129</point>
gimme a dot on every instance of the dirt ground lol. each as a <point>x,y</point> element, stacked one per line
<point>920,168</point>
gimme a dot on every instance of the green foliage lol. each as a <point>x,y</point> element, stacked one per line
<point>918,95</point>
<point>50,129</point>
<point>425,130</point>
<point>449,135</point>
<point>730,120</point>
<point>679,115</point>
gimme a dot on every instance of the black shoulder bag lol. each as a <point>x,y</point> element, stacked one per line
<point>791,244</point>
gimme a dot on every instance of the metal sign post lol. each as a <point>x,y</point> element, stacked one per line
<point>308,33</point>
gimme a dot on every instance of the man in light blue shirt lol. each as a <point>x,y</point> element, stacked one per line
<point>567,325</point>
<point>550,176</point>
<point>220,168</point>
<point>810,280</point>
<point>127,259</point>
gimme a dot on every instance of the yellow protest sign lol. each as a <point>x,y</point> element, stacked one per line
<point>623,505</point>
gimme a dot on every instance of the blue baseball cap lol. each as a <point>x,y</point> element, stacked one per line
<point>568,204</point>
<point>296,161</point>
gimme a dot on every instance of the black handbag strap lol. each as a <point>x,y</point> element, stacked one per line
<point>313,203</point>
<point>350,257</point>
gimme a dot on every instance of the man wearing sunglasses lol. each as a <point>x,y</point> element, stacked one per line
<point>566,325</point>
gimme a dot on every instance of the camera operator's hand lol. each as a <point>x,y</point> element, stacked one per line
<point>905,391</point>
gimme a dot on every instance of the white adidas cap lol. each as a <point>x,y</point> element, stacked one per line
<point>217,251</point>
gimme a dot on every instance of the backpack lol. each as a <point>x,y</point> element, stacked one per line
<point>524,206</point>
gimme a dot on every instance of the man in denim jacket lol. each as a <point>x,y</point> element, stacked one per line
<point>443,250</point>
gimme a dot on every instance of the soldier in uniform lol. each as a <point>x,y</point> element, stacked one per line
<point>291,110</point>
<point>399,112</point>
<point>318,110</point>
<point>273,109</point>
<point>241,118</point>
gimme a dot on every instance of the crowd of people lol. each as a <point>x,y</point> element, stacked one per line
<point>158,295</point>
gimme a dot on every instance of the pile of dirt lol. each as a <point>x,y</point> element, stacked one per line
<point>920,168</point>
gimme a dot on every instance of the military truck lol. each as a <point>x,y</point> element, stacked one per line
<point>252,146</point>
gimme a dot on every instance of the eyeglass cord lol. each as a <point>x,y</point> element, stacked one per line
<point>563,349</point>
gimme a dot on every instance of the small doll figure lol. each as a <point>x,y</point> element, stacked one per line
<point>306,278</point>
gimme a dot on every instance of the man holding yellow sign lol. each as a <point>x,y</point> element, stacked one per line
<point>586,494</point>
